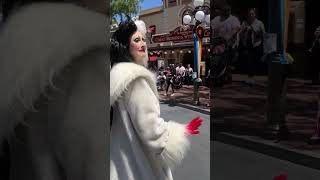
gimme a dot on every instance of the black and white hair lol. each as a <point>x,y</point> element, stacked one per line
<point>120,40</point>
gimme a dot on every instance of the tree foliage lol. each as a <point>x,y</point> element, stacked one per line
<point>124,8</point>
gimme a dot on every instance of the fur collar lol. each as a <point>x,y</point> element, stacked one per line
<point>122,74</point>
<point>36,43</point>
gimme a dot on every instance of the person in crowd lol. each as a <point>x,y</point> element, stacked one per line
<point>161,68</point>
<point>161,79</point>
<point>169,80</point>
<point>315,56</point>
<point>251,37</point>
<point>180,72</point>
<point>143,145</point>
<point>226,26</point>
<point>177,69</point>
<point>189,72</point>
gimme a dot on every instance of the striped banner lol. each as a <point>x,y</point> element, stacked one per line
<point>284,20</point>
<point>282,31</point>
<point>197,54</point>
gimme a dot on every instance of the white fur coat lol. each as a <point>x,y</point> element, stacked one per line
<point>52,55</point>
<point>143,145</point>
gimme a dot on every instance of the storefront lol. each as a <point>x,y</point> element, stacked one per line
<point>170,42</point>
<point>180,48</point>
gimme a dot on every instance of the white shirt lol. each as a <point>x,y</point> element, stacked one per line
<point>257,27</point>
<point>224,28</point>
<point>182,71</point>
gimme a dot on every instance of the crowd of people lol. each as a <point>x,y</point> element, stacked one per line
<point>233,40</point>
<point>174,76</point>
<point>243,42</point>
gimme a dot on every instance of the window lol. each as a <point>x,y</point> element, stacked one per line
<point>186,1</point>
<point>172,3</point>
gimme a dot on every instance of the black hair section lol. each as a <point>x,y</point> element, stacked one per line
<point>120,42</point>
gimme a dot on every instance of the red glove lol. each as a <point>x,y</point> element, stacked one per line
<point>192,127</point>
<point>281,177</point>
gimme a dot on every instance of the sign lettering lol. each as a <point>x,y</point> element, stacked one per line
<point>180,34</point>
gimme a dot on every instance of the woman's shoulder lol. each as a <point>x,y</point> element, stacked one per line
<point>259,22</point>
<point>124,75</point>
<point>129,70</point>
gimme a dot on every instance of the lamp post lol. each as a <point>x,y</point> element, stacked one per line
<point>277,73</point>
<point>199,16</point>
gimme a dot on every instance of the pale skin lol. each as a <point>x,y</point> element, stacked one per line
<point>252,16</point>
<point>138,47</point>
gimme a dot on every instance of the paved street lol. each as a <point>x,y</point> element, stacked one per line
<point>197,163</point>
<point>234,163</point>
<point>185,95</point>
<point>243,109</point>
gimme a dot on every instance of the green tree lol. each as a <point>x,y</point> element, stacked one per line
<point>124,8</point>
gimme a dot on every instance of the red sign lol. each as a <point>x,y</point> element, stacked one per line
<point>200,31</point>
<point>152,29</point>
<point>153,58</point>
<point>180,34</point>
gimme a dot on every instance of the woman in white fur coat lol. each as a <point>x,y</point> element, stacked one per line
<point>53,79</point>
<point>143,145</point>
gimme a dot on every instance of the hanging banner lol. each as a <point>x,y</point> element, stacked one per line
<point>287,14</point>
<point>180,34</point>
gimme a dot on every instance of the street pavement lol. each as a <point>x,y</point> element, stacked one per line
<point>242,110</point>
<point>184,96</point>
<point>244,107</point>
<point>233,163</point>
<point>196,165</point>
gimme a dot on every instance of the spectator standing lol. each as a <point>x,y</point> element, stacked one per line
<point>169,80</point>
<point>252,31</point>
<point>315,57</point>
<point>189,72</point>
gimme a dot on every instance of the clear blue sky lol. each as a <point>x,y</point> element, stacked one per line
<point>147,4</point>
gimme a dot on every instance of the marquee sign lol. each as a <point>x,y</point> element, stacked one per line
<point>180,34</point>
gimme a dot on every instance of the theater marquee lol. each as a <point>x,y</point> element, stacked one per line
<point>180,34</point>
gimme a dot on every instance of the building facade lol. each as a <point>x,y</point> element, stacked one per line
<point>169,41</point>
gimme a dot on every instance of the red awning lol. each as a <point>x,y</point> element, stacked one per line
<point>153,58</point>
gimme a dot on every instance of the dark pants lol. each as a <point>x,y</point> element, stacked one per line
<point>253,55</point>
<point>169,83</point>
<point>315,64</point>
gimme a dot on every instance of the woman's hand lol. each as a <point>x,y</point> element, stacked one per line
<point>193,125</point>
<point>281,177</point>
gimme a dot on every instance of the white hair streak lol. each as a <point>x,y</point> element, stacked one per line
<point>141,26</point>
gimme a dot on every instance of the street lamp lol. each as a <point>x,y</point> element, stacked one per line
<point>199,17</point>
<point>276,127</point>
<point>187,19</point>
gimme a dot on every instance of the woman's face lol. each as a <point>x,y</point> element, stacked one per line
<point>138,48</point>
<point>252,15</point>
